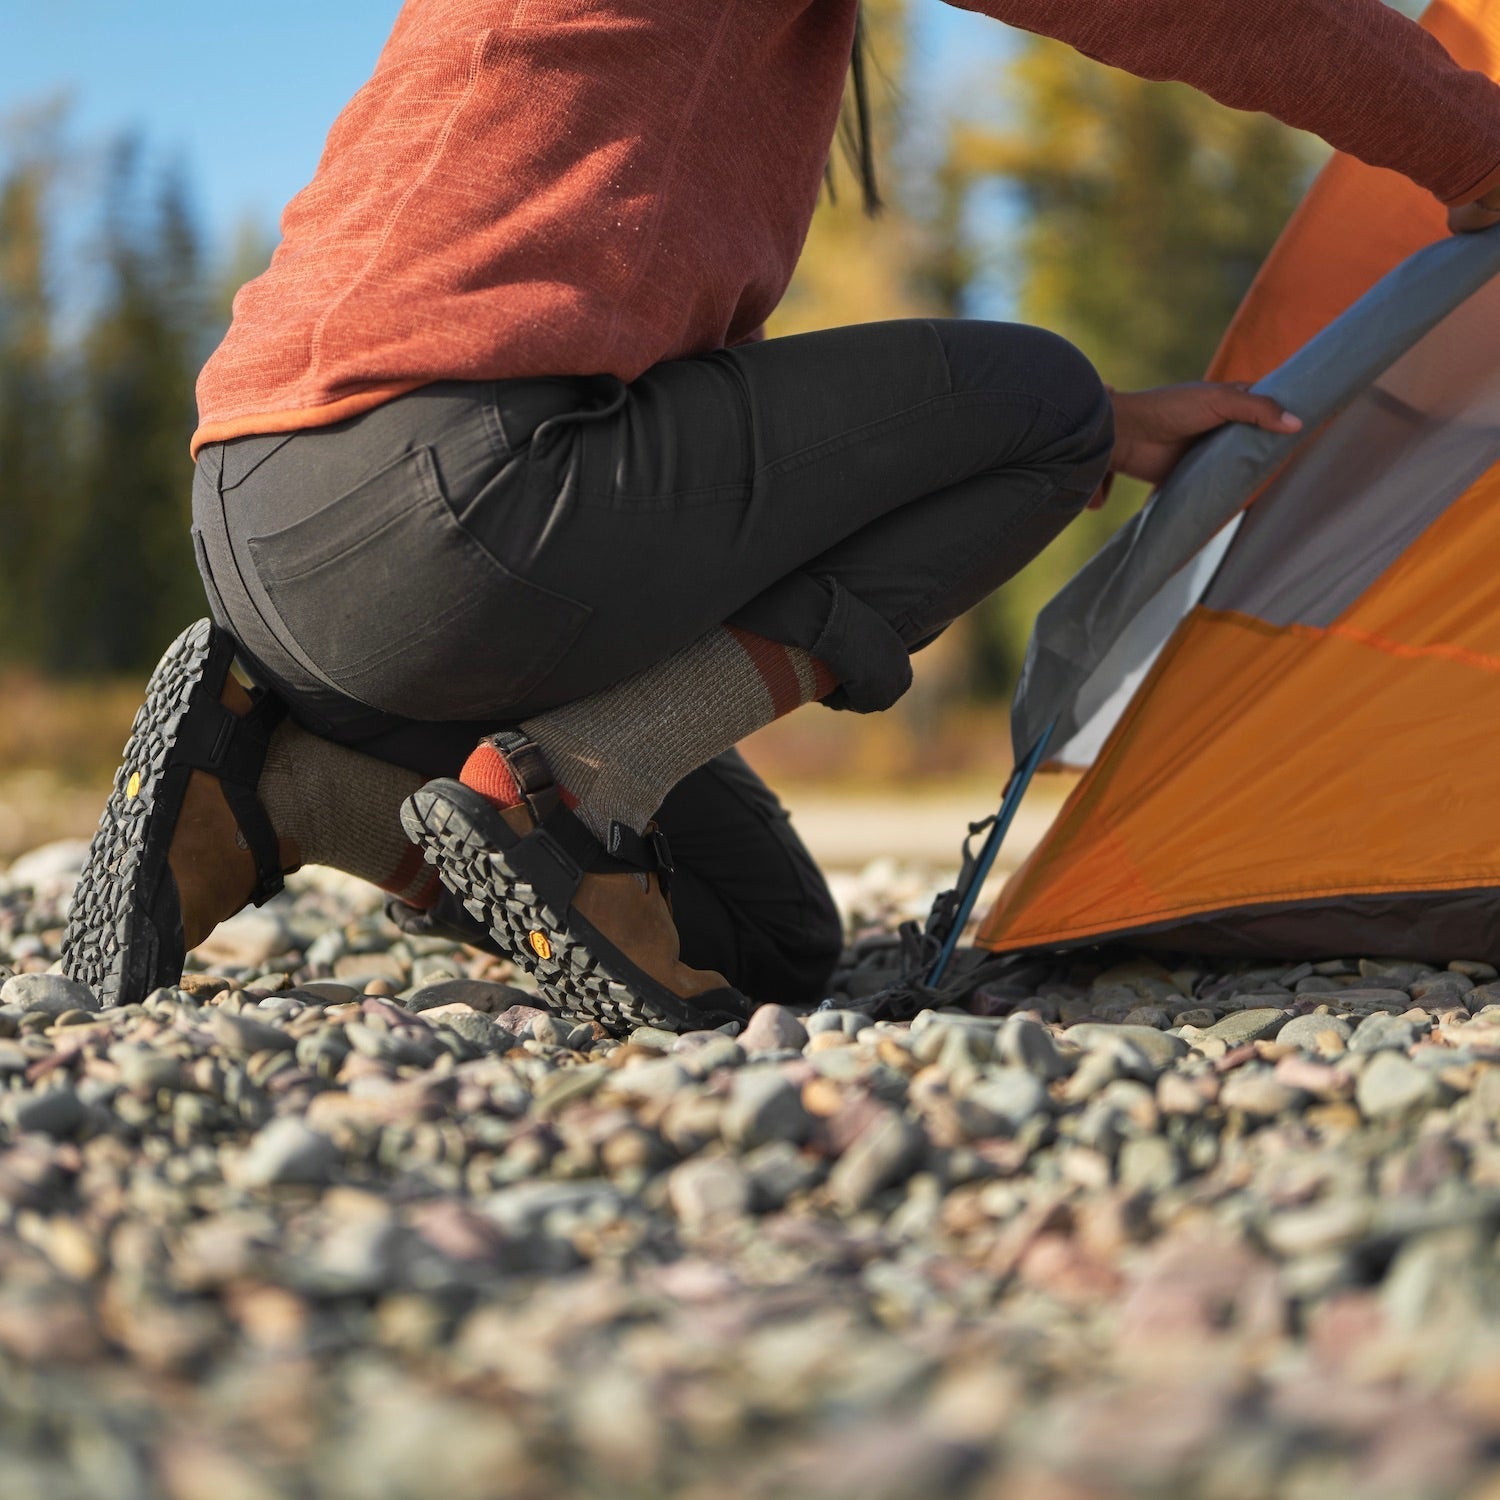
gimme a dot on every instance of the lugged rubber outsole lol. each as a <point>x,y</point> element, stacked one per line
<point>552,945</point>
<point>110,943</point>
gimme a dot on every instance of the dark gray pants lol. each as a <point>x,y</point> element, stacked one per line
<point>472,554</point>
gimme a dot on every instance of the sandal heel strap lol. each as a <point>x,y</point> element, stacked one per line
<point>568,840</point>
<point>529,769</point>
<point>232,747</point>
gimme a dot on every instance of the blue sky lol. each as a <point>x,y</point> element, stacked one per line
<point>243,94</point>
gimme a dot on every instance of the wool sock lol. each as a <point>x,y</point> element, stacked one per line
<point>617,754</point>
<point>342,808</point>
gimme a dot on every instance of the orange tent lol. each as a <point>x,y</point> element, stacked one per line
<point>1287,713</point>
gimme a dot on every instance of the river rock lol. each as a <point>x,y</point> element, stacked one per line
<point>1148,1164</point>
<point>773,1028</point>
<point>1159,1048</point>
<point>1003,1100</point>
<point>1304,1031</point>
<point>1363,1002</point>
<point>52,994</point>
<point>1329,1225</point>
<point>708,1190</point>
<point>473,1026</point>
<point>777,1171</point>
<point>1259,1093</point>
<point>1474,970</point>
<point>660,1078</point>
<point>1440,991</point>
<point>1024,1043</point>
<point>764,1106</point>
<point>477,994</point>
<point>287,1151</point>
<point>1381,1032</point>
<point>47,1111</point>
<point>1248,1025</point>
<point>1392,1085</point>
<point>145,1070</point>
<point>242,1036</point>
<point>886,1152</point>
<point>399,1049</point>
<point>49,868</point>
<point>248,940</point>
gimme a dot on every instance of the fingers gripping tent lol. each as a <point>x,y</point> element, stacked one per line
<point>1289,714</point>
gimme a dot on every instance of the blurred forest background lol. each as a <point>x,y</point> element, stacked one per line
<point>1129,216</point>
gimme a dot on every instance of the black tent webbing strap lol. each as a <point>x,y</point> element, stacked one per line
<point>951,911</point>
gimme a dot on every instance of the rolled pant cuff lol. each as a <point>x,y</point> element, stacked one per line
<point>860,647</point>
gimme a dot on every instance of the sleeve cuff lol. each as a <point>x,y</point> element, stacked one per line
<point>1480,188</point>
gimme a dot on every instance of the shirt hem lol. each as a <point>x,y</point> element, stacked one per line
<point>299,418</point>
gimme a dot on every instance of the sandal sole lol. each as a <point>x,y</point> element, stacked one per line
<point>110,943</point>
<point>536,938</point>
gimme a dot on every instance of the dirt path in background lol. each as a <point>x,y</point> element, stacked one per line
<point>845,831</point>
<point>37,807</point>
<point>927,827</point>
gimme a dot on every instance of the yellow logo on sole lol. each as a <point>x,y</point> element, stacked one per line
<point>539,944</point>
<point>133,786</point>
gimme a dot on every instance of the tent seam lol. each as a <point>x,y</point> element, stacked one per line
<point>1461,656</point>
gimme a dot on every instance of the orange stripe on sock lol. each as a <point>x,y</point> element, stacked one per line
<point>774,664</point>
<point>423,895</point>
<point>413,880</point>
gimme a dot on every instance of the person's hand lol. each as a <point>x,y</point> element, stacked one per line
<point>1153,429</point>
<point>1467,217</point>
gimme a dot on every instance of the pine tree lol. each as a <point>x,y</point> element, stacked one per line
<point>1146,210</point>
<point>34,454</point>
<point>129,577</point>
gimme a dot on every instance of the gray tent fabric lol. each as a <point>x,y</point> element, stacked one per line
<point>1337,515</point>
<point>1103,699</point>
<point>1349,505</point>
<point>1084,622</point>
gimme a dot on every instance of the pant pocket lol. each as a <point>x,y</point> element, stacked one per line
<point>398,606</point>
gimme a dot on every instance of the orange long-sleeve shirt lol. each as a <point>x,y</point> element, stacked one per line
<point>550,187</point>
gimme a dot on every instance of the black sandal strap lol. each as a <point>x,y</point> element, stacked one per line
<point>637,853</point>
<point>559,833</point>
<point>633,853</point>
<point>527,764</point>
<point>641,851</point>
<point>233,747</point>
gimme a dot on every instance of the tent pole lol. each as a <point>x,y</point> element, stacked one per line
<point>1015,790</point>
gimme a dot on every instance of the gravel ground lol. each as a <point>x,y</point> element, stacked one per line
<point>348,1215</point>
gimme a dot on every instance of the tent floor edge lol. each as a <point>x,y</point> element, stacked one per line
<point>1421,926</point>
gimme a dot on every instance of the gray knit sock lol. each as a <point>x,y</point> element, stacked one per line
<point>341,808</point>
<point>621,751</point>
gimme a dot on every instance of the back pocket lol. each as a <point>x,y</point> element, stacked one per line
<point>398,606</point>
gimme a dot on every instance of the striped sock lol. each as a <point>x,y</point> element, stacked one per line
<point>617,754</point>
<point>342,808</point>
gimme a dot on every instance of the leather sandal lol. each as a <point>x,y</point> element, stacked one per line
<point>125,932</point>
<point>521,872</point>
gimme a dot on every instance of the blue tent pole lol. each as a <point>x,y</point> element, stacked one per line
<point>1015,790</point>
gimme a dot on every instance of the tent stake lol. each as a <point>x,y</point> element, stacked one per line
<point>1015,790</point>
